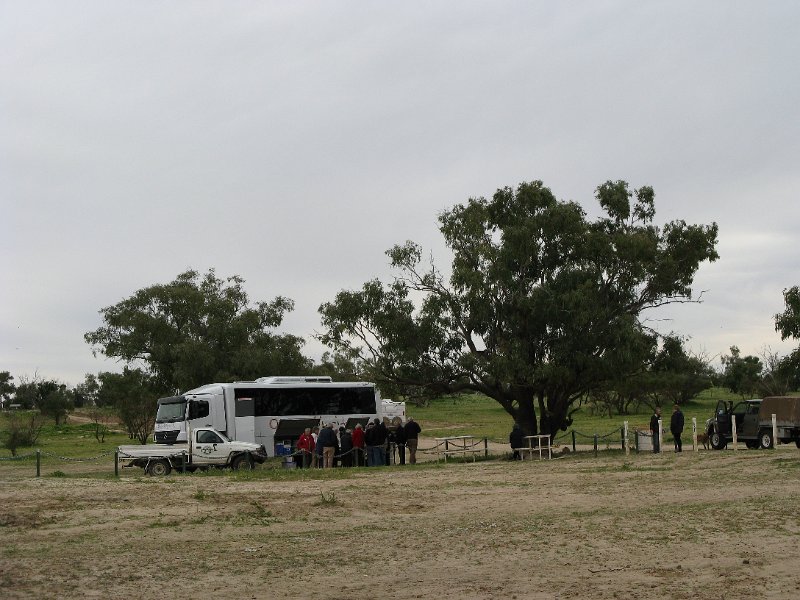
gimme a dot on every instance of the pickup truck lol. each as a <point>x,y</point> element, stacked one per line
<point>754,422</point>
<point>206,448</point>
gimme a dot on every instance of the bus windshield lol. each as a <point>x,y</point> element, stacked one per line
<point>170,412</point>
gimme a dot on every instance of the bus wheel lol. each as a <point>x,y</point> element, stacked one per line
<point>159,468</point>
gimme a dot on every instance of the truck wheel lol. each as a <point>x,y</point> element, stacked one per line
<point>765,439</point>
<point>242,461</point>
<point>717,441</point>
<point>159,468</point>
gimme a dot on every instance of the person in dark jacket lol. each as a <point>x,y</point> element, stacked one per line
<point>376,443</point>
<point>327,441</point>
<point>346,446</point>
<point>655,430</point>
<point>516,439</point>
<point>676,427</point>
<point>411,430</point>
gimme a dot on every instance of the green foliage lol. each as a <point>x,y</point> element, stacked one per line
<point>53,399</point>
<point>20,430</point>
<point>134,397</point>
<point>788,324</point>
<point>7,387</point>
<point>196,330</point>
<point>741,374</point>
<point>542,304</point>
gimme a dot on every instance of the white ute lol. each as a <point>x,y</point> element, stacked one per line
<point>207,447</point>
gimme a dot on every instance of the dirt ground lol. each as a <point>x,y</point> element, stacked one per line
<point>705,525</point>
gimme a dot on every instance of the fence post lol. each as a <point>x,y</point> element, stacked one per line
<point>733,430</point>
<point>595,445</point>
<point>38,463</point>
<point>774,431</point>
<point>625,438</point>
<point>660,434</point>
<point>574,449</point>
<point>486,447</point>
<point>636,437</point>
<point>183,462</point>
<point>116,463</point>
<point>694,433</point>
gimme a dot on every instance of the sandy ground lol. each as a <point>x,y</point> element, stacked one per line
<point>705,525</point>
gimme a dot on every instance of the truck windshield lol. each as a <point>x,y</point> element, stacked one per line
<point>170,412</point>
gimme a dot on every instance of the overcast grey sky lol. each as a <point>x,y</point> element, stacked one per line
<point>292,143</point>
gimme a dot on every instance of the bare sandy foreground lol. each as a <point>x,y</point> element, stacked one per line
<point>698,525</point>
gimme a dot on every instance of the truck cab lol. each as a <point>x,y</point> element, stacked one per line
<point>745,413</point>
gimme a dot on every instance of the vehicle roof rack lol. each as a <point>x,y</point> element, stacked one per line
<point>296,379</point>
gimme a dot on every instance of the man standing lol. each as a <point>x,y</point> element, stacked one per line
<point>655,430</point>
<point>327,440</point>
<point>346,445</point>
<point>676,427</point>
<point>412,431</point>
<point>516,439</point>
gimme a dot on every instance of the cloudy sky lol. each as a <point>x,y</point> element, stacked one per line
<point>292,143</point>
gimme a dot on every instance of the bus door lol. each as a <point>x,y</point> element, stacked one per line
<point>245,420</point>
<point>217,406</point>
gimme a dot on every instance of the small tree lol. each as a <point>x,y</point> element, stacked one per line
<point>53,399</point>
<point>134,398</point>
<point>21,431</point>
<point>741,374</point>
<point>7,387</point>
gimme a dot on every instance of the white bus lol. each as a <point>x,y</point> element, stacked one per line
<point>271,410</point>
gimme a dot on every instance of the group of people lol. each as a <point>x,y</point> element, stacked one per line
<point>356,447</point>
<point>676,423</point>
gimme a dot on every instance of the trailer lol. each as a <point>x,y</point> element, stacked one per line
<point>206,448</point>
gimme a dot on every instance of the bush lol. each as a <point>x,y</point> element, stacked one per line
<point>21,431</point>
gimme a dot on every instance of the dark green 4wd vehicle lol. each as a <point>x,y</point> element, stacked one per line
<point>720,430</point>
<point>754,422</point>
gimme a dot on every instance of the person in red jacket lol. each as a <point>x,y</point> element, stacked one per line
<point>305,444</point>
<point>358,445</point>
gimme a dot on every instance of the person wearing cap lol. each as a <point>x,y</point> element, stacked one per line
<point>411,430</point>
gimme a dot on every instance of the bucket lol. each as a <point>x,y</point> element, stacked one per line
<point>288,463</point>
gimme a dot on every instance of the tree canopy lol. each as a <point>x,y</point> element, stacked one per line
<point>198,330</point>
<point>788,324</point>
<point>541,304</point>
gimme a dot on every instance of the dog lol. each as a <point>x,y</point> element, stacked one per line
<point>702,438</point>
